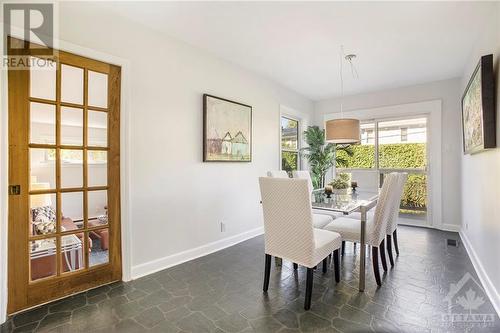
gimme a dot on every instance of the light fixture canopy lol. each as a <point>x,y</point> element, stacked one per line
<point>342,131</point>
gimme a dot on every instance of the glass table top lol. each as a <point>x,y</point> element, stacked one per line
<point>345,203</point>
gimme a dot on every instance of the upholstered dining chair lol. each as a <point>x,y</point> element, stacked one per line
<point>392,224</point>
<point>322,222</point>
<point>277,174</point>
<point>289,231</point>
<point>319,218</point>
<point>376,226</point>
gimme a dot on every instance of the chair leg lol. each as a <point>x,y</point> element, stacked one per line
<point>336,264</point>
<point>325,265</point>
<point>309,287</point>
<point>389,249</point>
<point>395,237</point>
<point>376,271</point>
<point>382,255</point>
<point>295,266</point>
<point>267,272</point>
<point>343,248</point>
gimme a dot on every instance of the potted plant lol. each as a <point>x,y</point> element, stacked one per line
<point>340,184</point>
<point>321,155</point>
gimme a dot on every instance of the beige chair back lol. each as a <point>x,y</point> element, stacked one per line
<point>303,174</point>
<point>393,219</point>
<point>277,174</point>
<point>288,224</point>
<point>384,210</point>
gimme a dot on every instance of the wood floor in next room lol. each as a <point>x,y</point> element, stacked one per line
<point>222,292</point>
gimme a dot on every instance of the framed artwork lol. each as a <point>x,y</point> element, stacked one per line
<point>227,130</point>
<point>478,109</point>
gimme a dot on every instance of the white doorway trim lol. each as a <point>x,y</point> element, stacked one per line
<point>125,162</point>
<point>433,111</point>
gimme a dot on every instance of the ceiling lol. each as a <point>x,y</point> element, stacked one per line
<point>297,44</point>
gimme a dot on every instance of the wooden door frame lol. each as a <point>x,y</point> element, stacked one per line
<point>124,163</point>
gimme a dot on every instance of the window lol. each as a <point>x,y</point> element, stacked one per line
<point>362,155</point>
<point>392,145</point>
<point>290,159</point>
<point>404,134</point>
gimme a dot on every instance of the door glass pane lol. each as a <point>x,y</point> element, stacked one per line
<point>71,126</point>
<point>71,211</point>
<point>72,252</point>
<point>359,156</point>
<point>289,161</point>
<point>98,89</point>
<point>42,258</point>
<point>413,206</point>
<point>97,208</point>
<point>43,79</point>
<point>71,168</point>
<point>289,133</point>
<point>97,169</point>
<point>42,123</point>
<point>403,143</point>
<point>99,252</point>
<point>42,168</point>
<point>42,212</point>
<point>71,84</point>
<point>97,129</point>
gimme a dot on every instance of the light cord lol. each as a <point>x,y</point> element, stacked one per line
<point>341,83</point>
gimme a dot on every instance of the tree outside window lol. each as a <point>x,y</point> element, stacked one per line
<point>290,158</point>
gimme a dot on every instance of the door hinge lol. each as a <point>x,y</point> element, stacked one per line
<point>14,189</point>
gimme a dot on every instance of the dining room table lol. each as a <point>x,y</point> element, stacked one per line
<point>346,202</point>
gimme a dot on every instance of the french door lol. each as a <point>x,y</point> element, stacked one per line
<point>64,175</point>
<point>395,145</point>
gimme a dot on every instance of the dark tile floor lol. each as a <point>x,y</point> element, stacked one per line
<point>222,292</point>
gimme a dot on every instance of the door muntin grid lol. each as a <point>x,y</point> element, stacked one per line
<point>60,167</point>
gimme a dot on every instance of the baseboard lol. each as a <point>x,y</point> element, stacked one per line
<point>483,276</point>
<point>181,257</point>
<point>443,227</point>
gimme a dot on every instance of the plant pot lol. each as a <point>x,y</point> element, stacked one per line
<point>341,190</point>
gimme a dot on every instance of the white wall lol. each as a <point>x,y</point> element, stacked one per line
<point>481,179</point>
<point>177,201</point>
<point>448,92</point>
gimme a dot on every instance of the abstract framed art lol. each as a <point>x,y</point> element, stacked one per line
<point>478,109</point>
<point>227,130</point>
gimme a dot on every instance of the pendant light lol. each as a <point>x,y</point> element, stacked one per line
<point>343,130</point>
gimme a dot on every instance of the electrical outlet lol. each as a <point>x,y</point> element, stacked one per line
<point>466,226</point>
<point>222,227</point>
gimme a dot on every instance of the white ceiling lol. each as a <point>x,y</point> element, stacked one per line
<point>297,43</point>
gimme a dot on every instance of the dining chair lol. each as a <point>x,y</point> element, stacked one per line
<point>289,231</point>
<point>392,224</point>
<point>322,222</point>
<point>319,218</point>
<point>376,226</point>
<point>277,174</point>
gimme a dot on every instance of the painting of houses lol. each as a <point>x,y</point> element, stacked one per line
<point>227,130</point>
